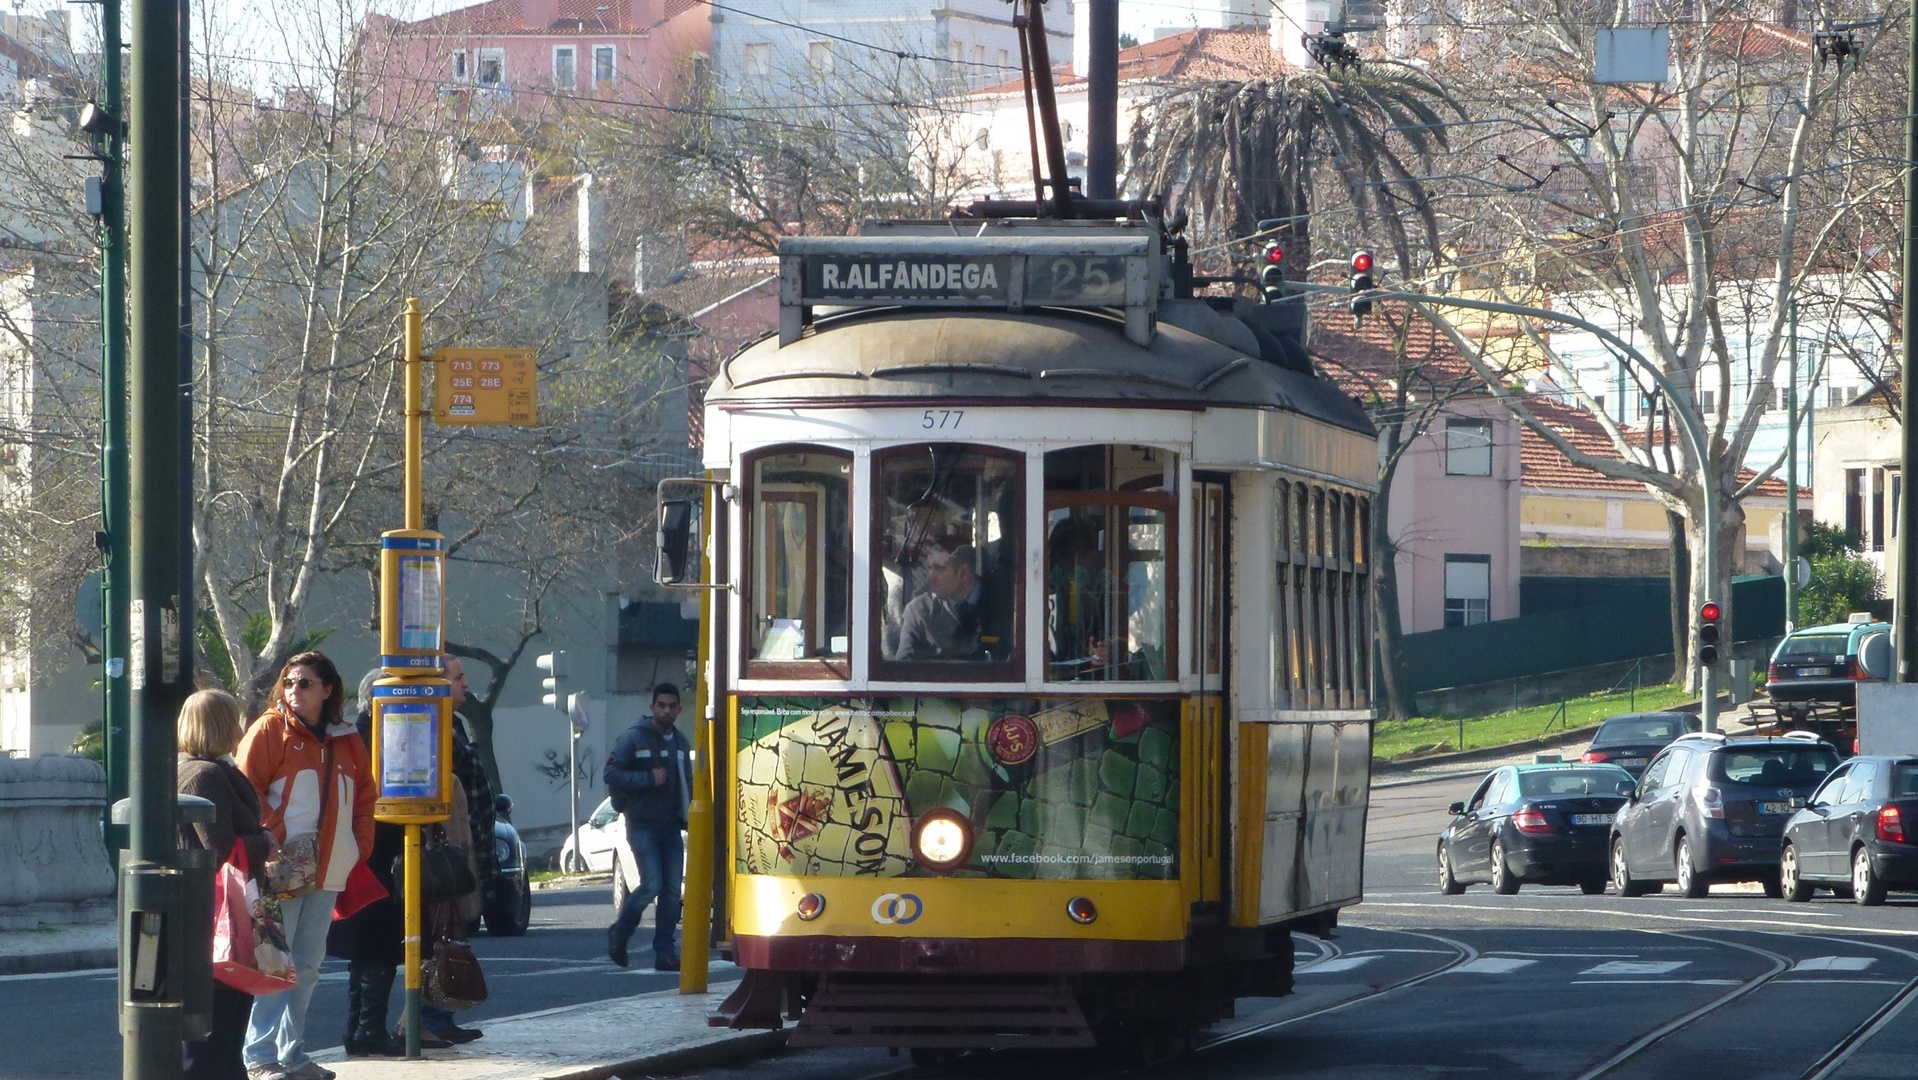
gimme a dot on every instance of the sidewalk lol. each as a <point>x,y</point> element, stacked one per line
<point>58,948</point>
<point>663,1031</point>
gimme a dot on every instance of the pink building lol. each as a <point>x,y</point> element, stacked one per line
<point>1455,496</point>
<point>534,58</point>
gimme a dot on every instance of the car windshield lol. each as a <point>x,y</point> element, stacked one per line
<point>1904,781</point>
<point>1639,729</point>
<point>1813,646</point>
<point>1571,782</point>
<point>1774,765</point>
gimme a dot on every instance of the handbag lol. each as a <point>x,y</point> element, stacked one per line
<point>451,977</point>
<point>362,889</point>
<point>445,872</point>
<point>250,952</point>
<point>295,871</point>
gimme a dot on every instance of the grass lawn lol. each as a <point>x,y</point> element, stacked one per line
<point>1437,733</point>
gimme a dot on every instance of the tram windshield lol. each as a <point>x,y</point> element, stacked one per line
<point>802,563</point>
<point>946,556</point>
<point>1108,547</point>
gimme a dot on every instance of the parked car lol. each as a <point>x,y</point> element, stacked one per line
<point>1825,664</point>
<point>1711,808</point>
<point>1545,824</point>
<point>508,895</point>
<point>1858,835</point>
<point>600,845</point>
<point>1630,739</point>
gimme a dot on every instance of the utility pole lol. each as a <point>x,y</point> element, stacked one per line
<point>154,930</point>
<point>113,420</point>
<point>1102,101</point>
<point>1791,478</point>
<point>1904,631</point>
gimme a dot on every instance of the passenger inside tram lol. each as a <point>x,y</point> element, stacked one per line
<point>960,616</point>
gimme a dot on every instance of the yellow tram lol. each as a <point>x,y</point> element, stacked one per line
<point>1040,642</point>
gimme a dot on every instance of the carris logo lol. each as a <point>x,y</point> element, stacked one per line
<point>897,909</point>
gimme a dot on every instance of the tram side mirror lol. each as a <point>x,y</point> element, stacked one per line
<point>674,542</point>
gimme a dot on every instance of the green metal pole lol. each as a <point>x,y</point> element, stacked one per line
<point>1904,630</point>
<point>154,913</point>
<point>1791,480</point>
<point>113,421</point>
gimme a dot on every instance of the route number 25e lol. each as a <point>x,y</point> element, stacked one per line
<point>943,419</point>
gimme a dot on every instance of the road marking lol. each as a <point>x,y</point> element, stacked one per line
<point>1848,982</point>
<point>1343,963</point>
<point>1636,967</point>
<point>1382,952</point>
<point>1564,955</point>
<point>1626,914</point>
<point>552,971</point>
<point>1655,982</point>
<point>1493,965</point>
<point>1835,963</point>
<point>1800,913</point>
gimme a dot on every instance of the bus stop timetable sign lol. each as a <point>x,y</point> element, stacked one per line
<point>485,386</point>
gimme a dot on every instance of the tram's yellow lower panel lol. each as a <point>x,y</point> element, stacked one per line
<point>921,907</point>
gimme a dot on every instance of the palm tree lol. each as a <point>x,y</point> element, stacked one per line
<point>1243,152</point>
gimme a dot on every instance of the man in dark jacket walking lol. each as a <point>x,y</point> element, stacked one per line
<point>650,775</point>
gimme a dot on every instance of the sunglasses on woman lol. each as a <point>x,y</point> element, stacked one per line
<point>302,683</point>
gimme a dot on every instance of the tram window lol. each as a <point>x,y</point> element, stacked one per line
<point>800,578</point>
<point>946,557</point>
<point>1109,546</point>
<point>1321,602</point>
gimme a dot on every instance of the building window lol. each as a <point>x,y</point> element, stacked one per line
<point>565,66</point>
<point>1468,589</point>
<point>460,71</point>
<point>1468,447</point>
<point>979,55</point>
<point>759,59</point>
<point>492,67</point>
<point>958,52</point>
<point>819,56</point>
<point>1839,396</point>
<point>1708,401</point>
<point>1855,503</point>
<point>603,65</point>
<point>1005,58</point>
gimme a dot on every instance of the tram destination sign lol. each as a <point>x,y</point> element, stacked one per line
<point>1008,273</point>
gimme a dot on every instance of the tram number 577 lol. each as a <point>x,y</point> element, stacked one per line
<point>942,419</point>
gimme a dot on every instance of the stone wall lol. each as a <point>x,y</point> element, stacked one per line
<point>54,867</point>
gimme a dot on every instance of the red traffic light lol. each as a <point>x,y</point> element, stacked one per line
<point>1710,612</point>
<point>1361,262</point>
<point>1274,253</point>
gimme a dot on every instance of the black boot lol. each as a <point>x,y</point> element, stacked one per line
<point>373,984</point>
<point>353,1002</point>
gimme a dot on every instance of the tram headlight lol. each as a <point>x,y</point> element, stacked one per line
<point>811,906</point>
<point>1081,910</point>
<point>942,840</point>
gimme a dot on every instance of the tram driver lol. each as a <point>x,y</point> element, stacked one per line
<point>960,616</point>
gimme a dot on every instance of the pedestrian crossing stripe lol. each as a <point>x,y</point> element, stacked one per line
<point>1341,963</point>
<point>1834,963</point>
<point>1636,967</point>
<point>1493,965</point>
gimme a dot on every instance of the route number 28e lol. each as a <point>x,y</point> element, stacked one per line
<point>942,419</point>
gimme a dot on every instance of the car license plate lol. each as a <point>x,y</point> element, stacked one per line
<point>1591,819</point>
<point>1808,672</point>
<point>1632,762</point>
<point>1774,808</point>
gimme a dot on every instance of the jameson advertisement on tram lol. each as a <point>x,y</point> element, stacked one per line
<point>1070,789</point>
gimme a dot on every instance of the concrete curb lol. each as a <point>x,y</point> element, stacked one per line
<point>724,1052</point>
<point>65,960</point>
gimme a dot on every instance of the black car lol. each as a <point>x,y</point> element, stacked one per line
<point>1712,808</point>
<point>1629,740</point>
<point>1858,834</point>
<point>1546,824</point>
<point>509,893</point>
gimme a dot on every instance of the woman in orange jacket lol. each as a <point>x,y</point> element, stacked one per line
<point>315,782</point>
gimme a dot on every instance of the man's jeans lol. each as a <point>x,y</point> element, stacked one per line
<point>661,854</point>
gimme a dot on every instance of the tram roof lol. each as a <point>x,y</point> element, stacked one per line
<point>1079,356</point>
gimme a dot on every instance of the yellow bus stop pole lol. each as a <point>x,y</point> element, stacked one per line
<point>414,520</point>
<point>697,920</point>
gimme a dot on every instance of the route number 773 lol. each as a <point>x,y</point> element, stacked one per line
<point>942,419</point>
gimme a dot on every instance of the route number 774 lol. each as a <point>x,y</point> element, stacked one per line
<point>942,419</point>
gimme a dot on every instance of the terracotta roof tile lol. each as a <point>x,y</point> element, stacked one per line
<point>495,17</point>
<point>1201,55</point>
<point>1543,466</point>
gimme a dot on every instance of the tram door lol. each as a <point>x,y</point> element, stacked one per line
<point>1212,656</point>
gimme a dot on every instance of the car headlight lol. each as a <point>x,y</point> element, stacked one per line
<point>502,851</point>
<point>942,840</point>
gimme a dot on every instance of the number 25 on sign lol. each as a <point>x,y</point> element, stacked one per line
<point>485,386</point>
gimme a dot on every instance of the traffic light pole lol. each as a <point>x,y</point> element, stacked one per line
<point>113,422</point>
<point>1694,429</point>
<point>1904,634</point>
